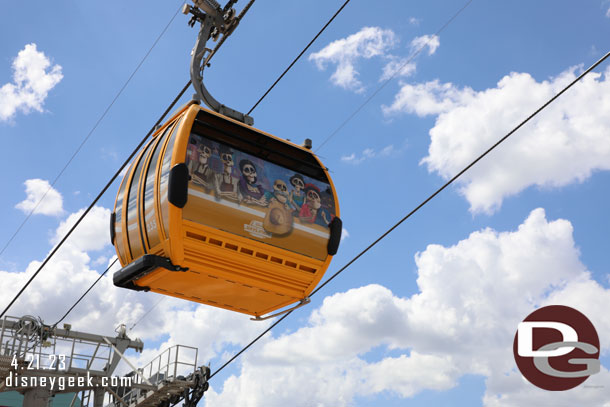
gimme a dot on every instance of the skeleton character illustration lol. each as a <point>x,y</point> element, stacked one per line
<point>297,197</point>
<point>280,194</point>
<point>279,217</point>
<point>310,211</point>
<point>202,172</point>
<point>192,153</point>
<point>251,192</point>
<point>226,183</point>
<point>328,208</point>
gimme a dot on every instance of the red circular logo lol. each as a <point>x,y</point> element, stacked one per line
<point>556,348</point>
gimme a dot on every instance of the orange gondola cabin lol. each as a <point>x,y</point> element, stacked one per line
<point>217,212</point>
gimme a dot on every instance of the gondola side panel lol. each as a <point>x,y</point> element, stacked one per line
<point>119,240</point>
<point>244,194</point>
<point>174,155</point>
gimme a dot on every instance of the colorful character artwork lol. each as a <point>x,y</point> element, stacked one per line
<point>246,195</point>
<point>200,164</point>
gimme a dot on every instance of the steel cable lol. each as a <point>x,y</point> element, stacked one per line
<point>418,207</point>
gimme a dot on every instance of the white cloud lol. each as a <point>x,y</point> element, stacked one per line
<point>430,98</point>
<point>430,41</point>
<point>41,198</point>
<point>344,234</point>
<point>566,143</point>
<point>368,153</point>
<point>437,335</point>
<point>414,21</point>
<point>33,78</point>
<point>369,42</point>
<point>71,271</point>
<point>396,68</point>
<point>426,341</point>
<point>91,234</point>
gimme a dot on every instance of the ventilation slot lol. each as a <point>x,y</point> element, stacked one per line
<point>196,236</point>
<point>262,255</point>
<point>236,247</point>
<point>308,269</point>
<point>215,242</point>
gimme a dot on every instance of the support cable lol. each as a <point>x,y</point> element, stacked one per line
<point>396,72</point>
<point>224,37</point>
<point>89,134</point>
<point>298,56</point>
<point>216,48</point>
<point>85,293</point>
<point>146,313</point>
<point>97,198</point>
<point>418,207</point>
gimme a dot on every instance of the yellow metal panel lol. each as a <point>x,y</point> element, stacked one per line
<point>225,270</point>
<point>134,197</point>
<point>237,273</point>
<point>181,137</point>
<point>127,180</point>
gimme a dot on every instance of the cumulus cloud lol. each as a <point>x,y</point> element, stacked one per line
<point>362,342</point>
<point>402,67</point>
<point>433,337</point>
<point>396,68</point>
<point>91,234</point>
<point>370,42</point>
<point>566,143</point>
<point>430,41</point>
<point>72,271</point>
<point>367,154</point>
<point>42,199</point>
<point>33,79</point>
<point>367,43</point>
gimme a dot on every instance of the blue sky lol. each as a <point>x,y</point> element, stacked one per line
<point>425,318</point>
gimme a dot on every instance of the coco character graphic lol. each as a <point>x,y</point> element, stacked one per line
<point>327,210</point>
<point>251,192</point>
<point>279,214</point>
<point>192,153</point>
<point>310,211</point>
<point>297,196</point>
<point>280,194</point>
<point>202,173</point>
<point>225,182</point>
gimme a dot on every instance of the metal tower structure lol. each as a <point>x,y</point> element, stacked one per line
<point>40,361</point>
